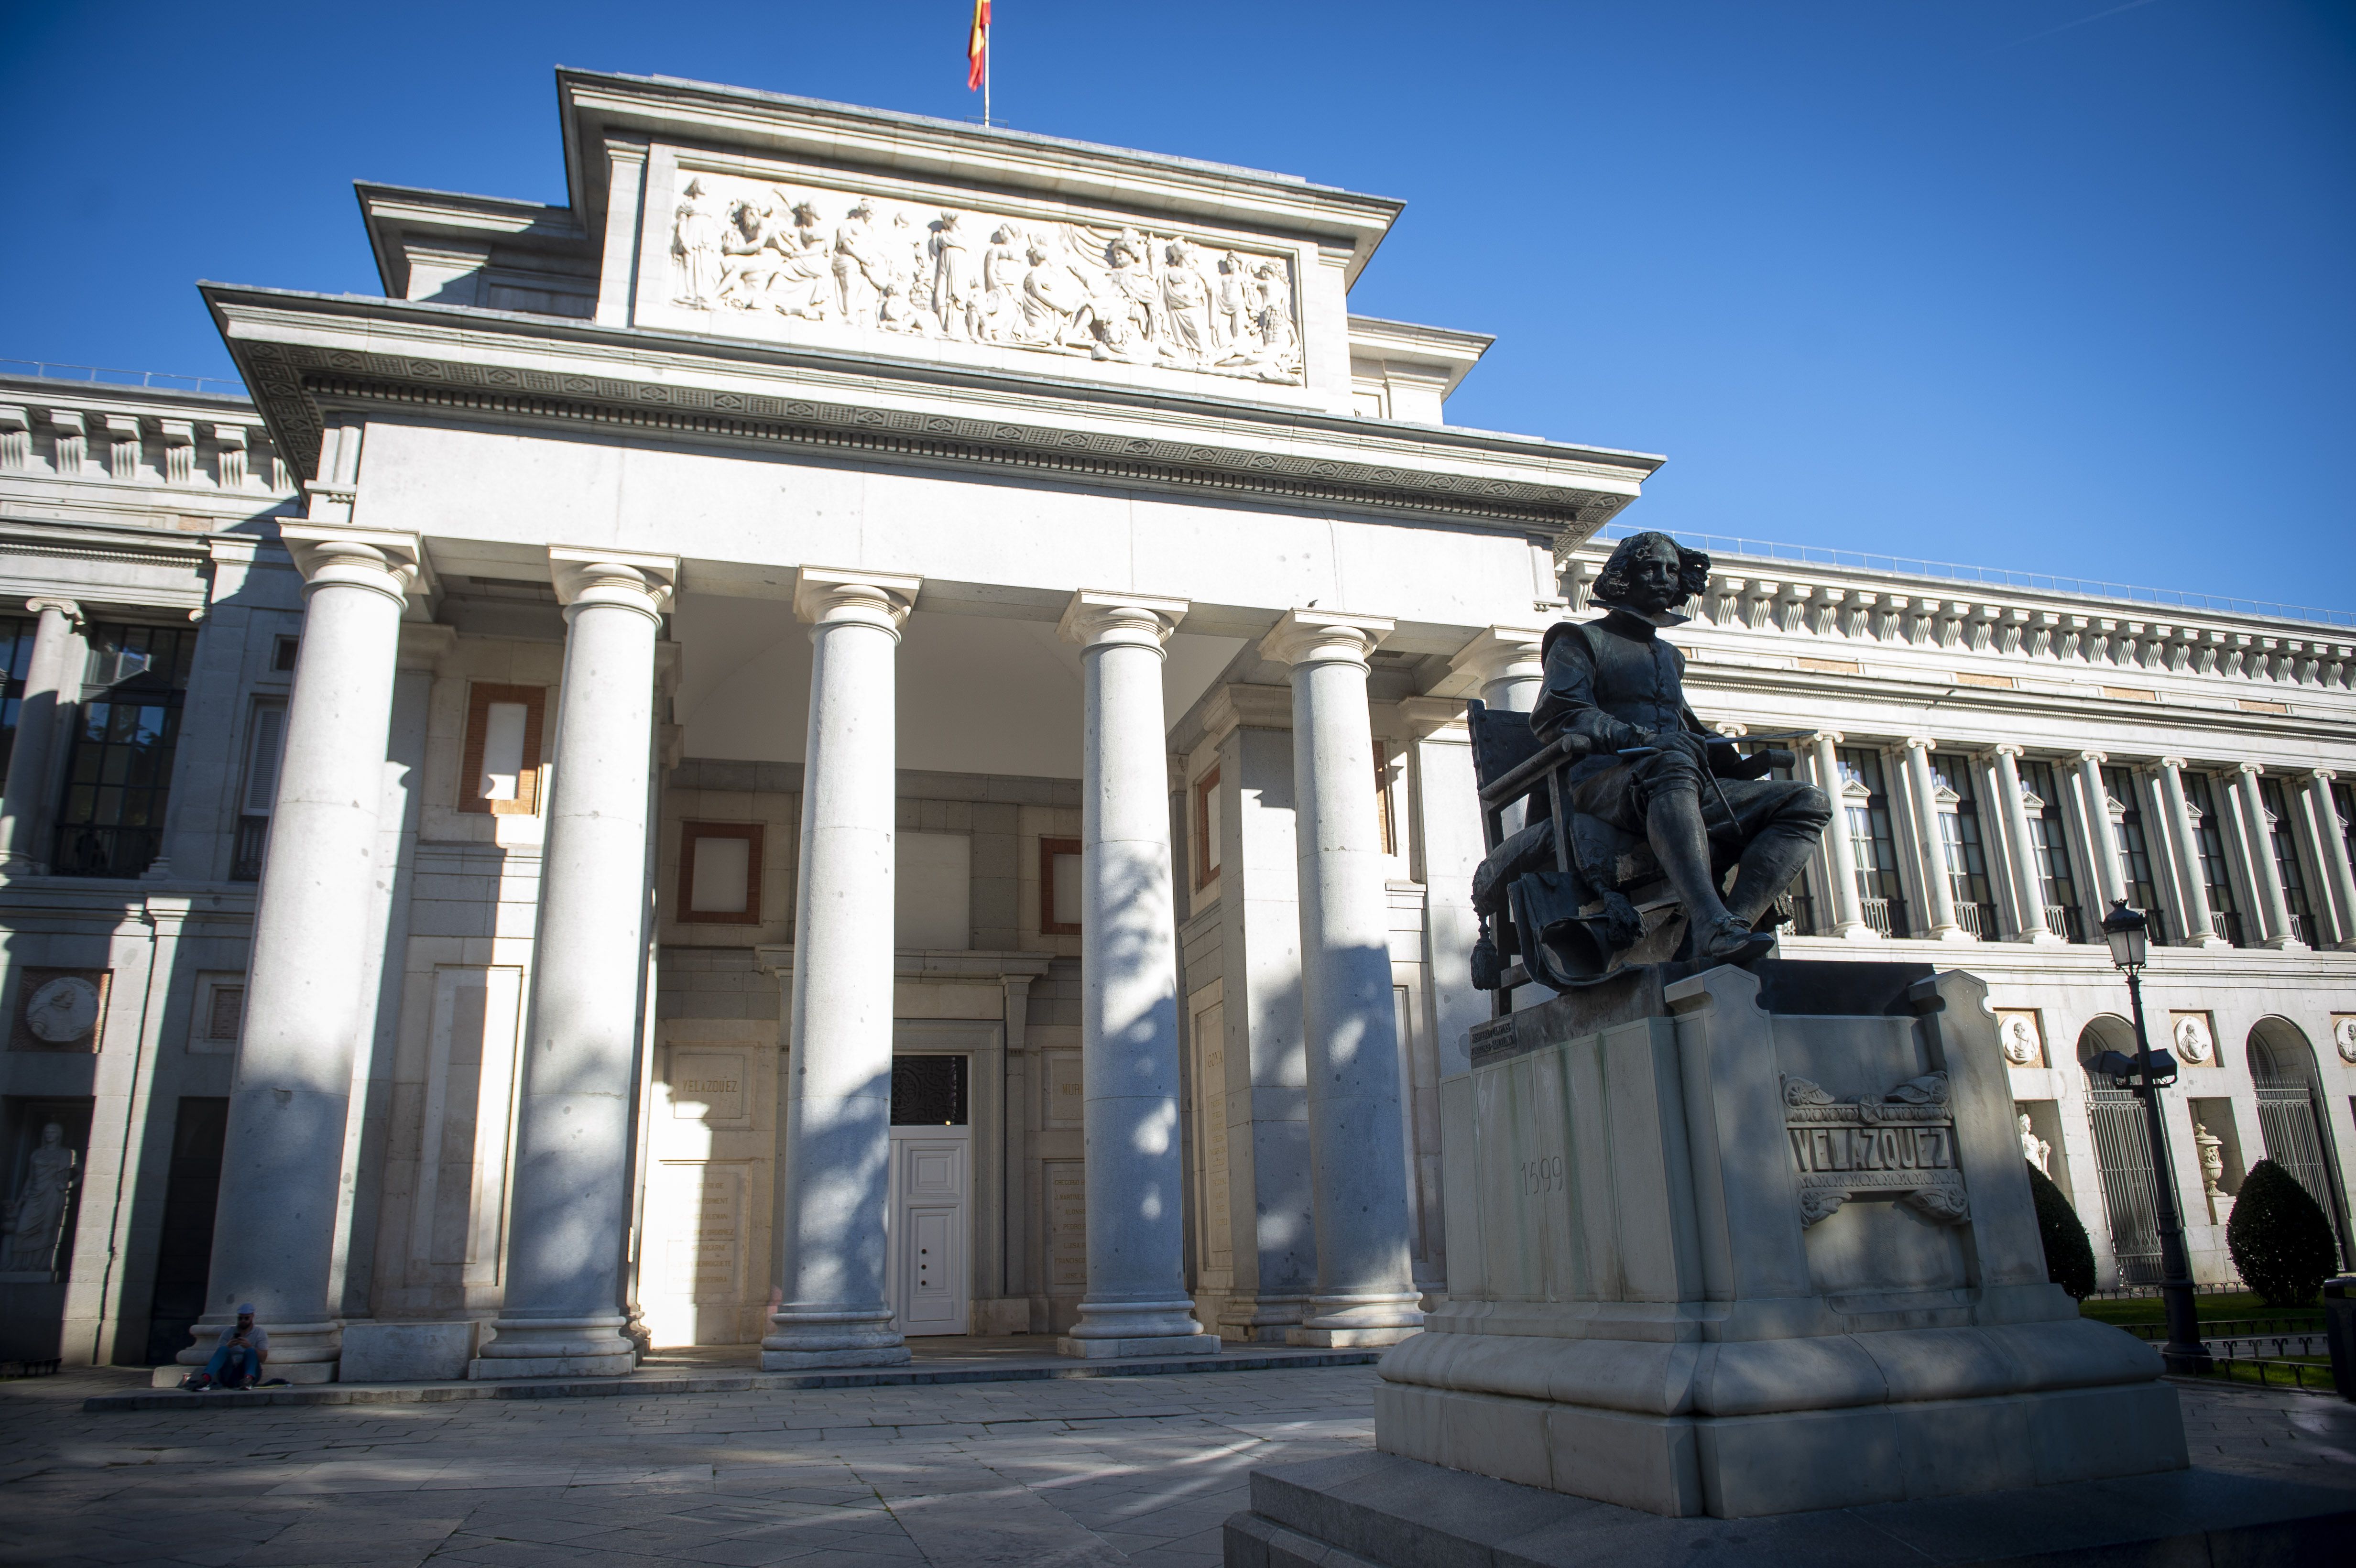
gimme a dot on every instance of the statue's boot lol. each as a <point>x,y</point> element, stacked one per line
<point>1770,863</point>
<point>1681,842</point>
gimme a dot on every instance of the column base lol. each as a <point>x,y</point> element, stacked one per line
<point>508,1369</point>
<point>2039,939</point>
<point>299,1352</point>
<point>804,1340</point>
<point>1349,1338</point>
<point>1261,1319</point>
<point>1154,1345</point>
<point>554,1347</point>
<point>1860,932</point>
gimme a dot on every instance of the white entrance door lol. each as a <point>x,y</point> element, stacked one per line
<point>929,1229</point>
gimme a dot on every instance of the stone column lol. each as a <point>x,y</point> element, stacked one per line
<point>2102,835</point>
<point>1365,1291</point>
<point>308,984</point>
<point>562,1315</point>
<point>1938,883</point>
<point>32,763</point>
<point>2332,854</point>
<point>2027,876</point>
<point>838,1132</point>
<point>2273,909</point>
<point>1504,662</point>
<point>1840,855</point>
<point>1137,1303</point>
<point>2184,841</point>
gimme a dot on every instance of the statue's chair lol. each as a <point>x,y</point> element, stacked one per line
<point>1562,908</point>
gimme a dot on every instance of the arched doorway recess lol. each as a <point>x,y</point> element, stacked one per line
<point>2122,1157</point>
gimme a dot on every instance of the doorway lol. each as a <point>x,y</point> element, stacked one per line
<point>928,1218</point>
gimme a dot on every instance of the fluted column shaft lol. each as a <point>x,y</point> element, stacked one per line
<point>1365,1292</point>
<point>562,1315</point>
<point>2021,849</point>
<point>1135,1303</point>
<point>2331,853</point>
<point>282,1167</point>
<point>32,761</point>
<point>2102,834</point>
<point>1938,882</point>
<point>2184,841</point>
<point>2274,908</point>
<point>1840,854</point>
<point>834,1311</point>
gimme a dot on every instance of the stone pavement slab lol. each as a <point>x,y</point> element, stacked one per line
<point>1062,1471</point>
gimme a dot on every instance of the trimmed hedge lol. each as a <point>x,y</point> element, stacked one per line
<point>2280,1238</point>
<point>2069,1256</point>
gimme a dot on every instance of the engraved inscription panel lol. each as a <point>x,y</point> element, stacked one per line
<point>1065,1089</point>
<point>1067,1226</point>
<point>704,1254</point>
<point>708,1086</point>
<point>1900,1145</point>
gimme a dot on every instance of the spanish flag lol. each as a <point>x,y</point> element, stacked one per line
<point>976,46</point>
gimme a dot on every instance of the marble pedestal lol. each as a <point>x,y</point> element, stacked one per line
<point>1752,1243</point>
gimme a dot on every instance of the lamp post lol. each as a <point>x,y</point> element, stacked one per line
<point>2127,931</point>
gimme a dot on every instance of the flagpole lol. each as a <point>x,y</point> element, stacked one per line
<point>986,52</point>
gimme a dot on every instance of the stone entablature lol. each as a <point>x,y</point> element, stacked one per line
<point>2107,645</point>
<point>204,448</point>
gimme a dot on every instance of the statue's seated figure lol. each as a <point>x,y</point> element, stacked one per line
<point>1658,810</point>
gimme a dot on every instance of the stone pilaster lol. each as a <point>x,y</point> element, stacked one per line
<point>2027,876</point>
<point>32,765</point>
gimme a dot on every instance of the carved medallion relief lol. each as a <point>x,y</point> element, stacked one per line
<point>59,1009</point>
<point>750,255</point>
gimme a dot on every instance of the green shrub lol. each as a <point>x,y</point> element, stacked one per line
<point>2279,1237</point>
<point>2069,1256</point>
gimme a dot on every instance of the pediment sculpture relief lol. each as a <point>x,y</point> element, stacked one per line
<point>747,252</point>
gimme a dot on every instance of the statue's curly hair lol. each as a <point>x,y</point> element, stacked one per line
<point>1612,588</point>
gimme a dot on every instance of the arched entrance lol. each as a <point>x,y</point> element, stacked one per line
<point>2292,1119</point>
<point>2122,1157</point>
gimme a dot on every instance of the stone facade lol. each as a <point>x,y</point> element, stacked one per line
<point>659,616</point>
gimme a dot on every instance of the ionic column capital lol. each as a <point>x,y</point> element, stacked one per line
<point>2012,749</point>
<point>1324,637</point>
<point>2320,776</point>
<point>620,580</point>
<point>2174,764</point>
<point>836,596</point>
<point>332,556</point>
<point>2084,759</point>
<point>1826,738</point>
<point>1499,653</point>
<point>1097,618</point>
<point>1921,743</point>
<point>2250,769</point>
<point>66,607</point>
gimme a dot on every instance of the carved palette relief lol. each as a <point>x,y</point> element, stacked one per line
<point>749,254</point>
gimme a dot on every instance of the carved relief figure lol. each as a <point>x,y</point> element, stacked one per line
<point>2034,1149</point>
<point>696,242</point>
<point>62,1010</point>
<point>2192,1040</point>
<point>36,1219</point>
<point>2019,1040</point>
<point>1120,294</point>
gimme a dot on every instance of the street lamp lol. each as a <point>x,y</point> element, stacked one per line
<point>2148,1072</point>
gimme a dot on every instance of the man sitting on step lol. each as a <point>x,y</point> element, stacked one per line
<point>238,1359</point>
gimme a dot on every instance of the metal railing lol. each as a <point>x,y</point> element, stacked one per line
<point>2227,923</point>
<point>1887,916</point>
<point>103,376</point>
<point>2291,1374</point>
<point>1799,911</point>
<point>2067,922</point>
<point>1978,919</point>
<point>1987,577</point>
<point>252,838</point>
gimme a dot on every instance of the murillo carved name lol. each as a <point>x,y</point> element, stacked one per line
<point>1901,1147</point>
<point>751,254</point>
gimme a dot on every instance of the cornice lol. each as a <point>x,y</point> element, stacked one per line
<point>301,353</point>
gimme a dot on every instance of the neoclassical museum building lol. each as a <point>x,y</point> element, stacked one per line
<point>860,734</point>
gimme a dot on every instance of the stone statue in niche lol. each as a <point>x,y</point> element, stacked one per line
<point>1649,838</point>
<point>2034,1149</point>
<point>1116,295</point>
<point>36,1219</point>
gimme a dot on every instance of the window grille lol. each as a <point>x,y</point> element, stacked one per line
<point>1881,891</point>
<point>119,773</point>
<point>2292,1123</point>
<point>929,1090</point>
<point>1965,847</point>
<point>2130,1194</point>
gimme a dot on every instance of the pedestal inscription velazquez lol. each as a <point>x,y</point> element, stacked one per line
<point>1639,814</point>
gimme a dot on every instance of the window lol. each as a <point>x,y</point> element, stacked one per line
<point>15,655</point>
<point>2209,836</point>
<point>266,745</point>
<point>281,654</point>
<point>500,768</point>
<point>1965,847</point>
<point>1385,817</point>
<point>2048,845</point>
<point>2284,840</point>
<point>119,772</point>
<point>1059,887</point>
<point>1878,889</point>
<point>929,1091</point>
<point>1206,828</point>
<point>2134,849</point>
<point>720,873</point>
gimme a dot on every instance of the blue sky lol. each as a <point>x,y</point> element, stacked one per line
<point>2062,285</point>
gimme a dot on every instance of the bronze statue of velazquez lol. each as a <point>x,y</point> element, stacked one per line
<point>1658,810</point>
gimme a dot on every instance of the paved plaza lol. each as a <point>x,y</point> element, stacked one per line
<point>1112,1470</point>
